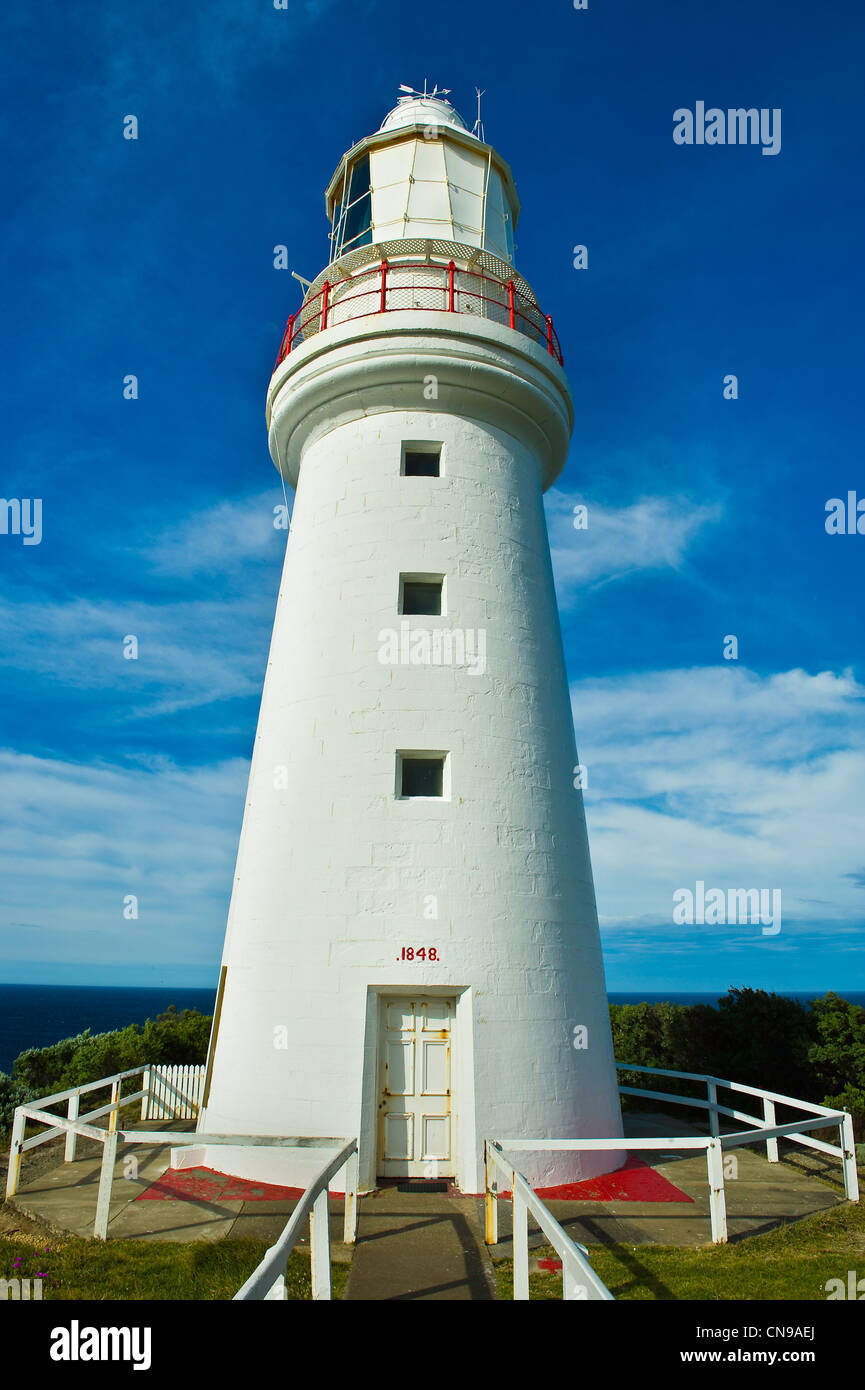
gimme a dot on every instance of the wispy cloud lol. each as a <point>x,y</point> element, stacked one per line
<point>221,538</point>
<point>189,654</point>
<point>727,776</point>
<point>192,651</point>
<point>76,840</point>
<point>653,533</point>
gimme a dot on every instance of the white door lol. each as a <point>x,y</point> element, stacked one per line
<point>415,1088</point>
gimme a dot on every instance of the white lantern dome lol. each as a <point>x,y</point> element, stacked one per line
<point>428,111</point>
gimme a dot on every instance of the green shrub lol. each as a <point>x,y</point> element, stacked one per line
<point>41,1068</point>
<point>852,1098</point>
<point>837,1056</point>
<point>12,1094</point>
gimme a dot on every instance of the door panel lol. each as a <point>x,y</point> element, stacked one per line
<point>435,1067</point>
<point>399,1135</point>
<point>415,1088</point>
<point>400,1067</point>
<point>436,1139</point>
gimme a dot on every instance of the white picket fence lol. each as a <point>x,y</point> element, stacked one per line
<point>172,1093</point>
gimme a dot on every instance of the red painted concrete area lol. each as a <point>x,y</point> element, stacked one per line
<point>635,1182</point>
<point>206,1185</point>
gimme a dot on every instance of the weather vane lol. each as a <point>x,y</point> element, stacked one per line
<point>436,91</point>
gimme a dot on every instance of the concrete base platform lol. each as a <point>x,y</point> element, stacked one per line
<point>63,1198</point>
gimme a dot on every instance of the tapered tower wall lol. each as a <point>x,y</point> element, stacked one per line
<point>336,874</point>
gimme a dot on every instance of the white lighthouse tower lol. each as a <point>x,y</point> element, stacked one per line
<point>412,953</point>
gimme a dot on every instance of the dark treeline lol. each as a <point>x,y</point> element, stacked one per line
<point>810,1051</point>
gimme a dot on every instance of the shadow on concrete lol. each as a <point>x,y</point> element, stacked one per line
<point>418,1253</point>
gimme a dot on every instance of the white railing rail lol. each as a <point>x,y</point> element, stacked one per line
<point>267,1280</point>
<point>166,1092</point>
<point>764,1130</point>
<point>167,1095</point>
<point>579,1280</point>
<point>111,1138</point>
<point>74,1123</point>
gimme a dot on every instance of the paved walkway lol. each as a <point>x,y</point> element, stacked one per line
<point>430,1246</point>
<point>420,1246</point>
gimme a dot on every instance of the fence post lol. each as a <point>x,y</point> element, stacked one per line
<point>145,1086</point>
<point>325,297</point>
<point>71,1136</point>
<point>491,1210</point>
<point>848,1148</point>
<point>714,1118</point>
<point>511,303</point>
<point>572,1275</point>
<point>769,1121</point>
<point>520,1242</point>
<point>18,1124</point>
<point>349,1233</point>
<point>550,349</point>
<point>451,269</point>
<point>106,1178</point>
<point>115,1103</point>
<point>717,1199</point>
<point>319,1245</point>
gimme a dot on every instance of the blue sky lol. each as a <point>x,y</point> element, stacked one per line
<point>706,516</point>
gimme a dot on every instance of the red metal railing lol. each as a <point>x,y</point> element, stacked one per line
<point>390,286</point>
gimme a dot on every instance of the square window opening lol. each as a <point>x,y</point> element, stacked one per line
<point>421,460</point>
<point>421,595</point>
<point>421,774</point>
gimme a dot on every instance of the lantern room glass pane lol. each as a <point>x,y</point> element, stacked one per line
<point>354,218</point>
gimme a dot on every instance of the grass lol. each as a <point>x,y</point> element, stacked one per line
<point>131,1269</point>
<point>792,1262</point>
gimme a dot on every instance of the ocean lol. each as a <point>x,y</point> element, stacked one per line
<point>37,1015</point>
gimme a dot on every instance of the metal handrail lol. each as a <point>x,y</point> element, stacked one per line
<point>521,313</point>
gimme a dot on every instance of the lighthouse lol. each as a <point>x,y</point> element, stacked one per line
<point>412,954</point>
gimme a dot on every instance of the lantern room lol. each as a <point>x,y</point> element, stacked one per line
<point>423,175</point>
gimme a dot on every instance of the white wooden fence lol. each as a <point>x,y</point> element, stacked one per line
<point>172,1093</point>
<point>178,1087</point>
<point>580,1281</point>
